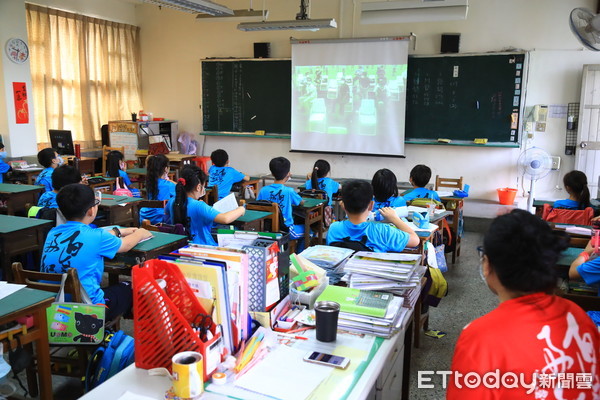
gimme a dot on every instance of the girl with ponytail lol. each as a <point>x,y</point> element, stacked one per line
<point>318,180</point>
<point>158,187</point>
<point>197,216</point>
<point>575,183</point>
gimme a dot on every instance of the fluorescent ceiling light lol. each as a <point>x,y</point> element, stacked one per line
<point>193,6</point>
<point>398,11</point>
<point>238,15</point>
<point>296,24</point>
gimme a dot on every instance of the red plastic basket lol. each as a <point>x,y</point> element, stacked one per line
<point>162,317</point>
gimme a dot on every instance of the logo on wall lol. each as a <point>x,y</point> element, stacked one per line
<point>21,108</point>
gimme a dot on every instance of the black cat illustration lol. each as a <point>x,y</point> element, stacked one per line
<point>88,326</point>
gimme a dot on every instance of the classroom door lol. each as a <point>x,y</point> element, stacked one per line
<point>587,154</point>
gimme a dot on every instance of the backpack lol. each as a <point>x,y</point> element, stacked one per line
<point>424,202</point>
<point>121,189</point>
<point>113,355</point>
<point>355,245</point>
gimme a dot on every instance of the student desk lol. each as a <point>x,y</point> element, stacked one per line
<point>119,210</point>
<point>17,196</point>
<point>161,243</point>
<point>20,235</point>
<point>106,187</point>
<point>312,210</point>
<point>252,220</point>
<point>176,160</point>
<point>30,173</point>
<point>575,239</point>
<point>32,302</point>
<point>253,183</point>
<point>386,375</point>
<point>87,165</point>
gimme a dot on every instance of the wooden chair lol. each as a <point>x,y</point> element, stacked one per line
<point>272,208</point>
<point>211,195</point>
<point>453,183</point>
<point>105,151</point>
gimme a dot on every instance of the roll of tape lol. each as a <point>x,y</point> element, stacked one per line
<point>219,378</point>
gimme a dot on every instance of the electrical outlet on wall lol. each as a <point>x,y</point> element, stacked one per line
<point>555,163</point>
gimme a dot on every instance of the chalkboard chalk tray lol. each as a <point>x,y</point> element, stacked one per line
<point>465,97</point>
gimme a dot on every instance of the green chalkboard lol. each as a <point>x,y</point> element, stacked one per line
<point>465,97</point>
<point>246,95</point>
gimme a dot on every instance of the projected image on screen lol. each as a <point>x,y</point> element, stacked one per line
<point>349,96</point>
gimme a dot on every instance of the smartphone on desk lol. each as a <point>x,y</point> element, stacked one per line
<point>327,359</point>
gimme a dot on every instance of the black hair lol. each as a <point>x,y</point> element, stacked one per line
<point>112,163</point>
<point>420,175</point>
<point>279,167</point>
<point>1,145</point>
<point>46,156</point>
<point>219,157</point>
<point>65,175</point>
<point>74,200</point>
<point>523,250</point>
<point>385,184</point>
<point>189,178</point>
<point>320,170</point>
<point>155,169</point>
<point>576,183</point>
<point>356,195</point>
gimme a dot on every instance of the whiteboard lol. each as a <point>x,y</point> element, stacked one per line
<point>127,140</point>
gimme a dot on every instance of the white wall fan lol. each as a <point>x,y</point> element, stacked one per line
<point>586,27</point>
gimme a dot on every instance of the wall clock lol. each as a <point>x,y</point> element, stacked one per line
<point>17,50</point>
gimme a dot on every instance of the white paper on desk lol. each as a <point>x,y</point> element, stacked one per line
<point>7,289</point>
<point>134,396</point>
<point>227,203</point>
<point>423,209</point>
<point>578,230</point>
<point>431,228</point>
<point>269,378</point>
<point>445,193</point>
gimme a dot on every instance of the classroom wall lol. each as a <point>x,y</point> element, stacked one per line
<point>173,44</point>
<point>20,139</point>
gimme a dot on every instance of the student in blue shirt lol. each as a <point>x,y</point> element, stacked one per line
<point>385,190</point>
<point>77,245</point>
<point>49,159</point>
<point>61,177</point>
<point>222,175</point>
<point>586,268</point>
<point>4,167</point>
<point>116,167</point>
<point>575,183</point>
<point>357,201</point>
<point>197,216</point>
<point>158,187</point>
<point>283,195</point>
<point>419,178</point>
<point>319,180</point>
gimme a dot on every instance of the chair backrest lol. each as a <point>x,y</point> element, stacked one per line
<point>263,205</point>
<point>448,182</point>
<point>314,194</point>
<point>33,280</point>
<point>211,195</point>
<point>105,151</point>
<point>177,229</point>
<point>564,216</point>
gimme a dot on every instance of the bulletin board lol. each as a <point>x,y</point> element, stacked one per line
<point>127,140</point>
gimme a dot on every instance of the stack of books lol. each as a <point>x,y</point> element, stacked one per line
<point>365,311</point>
<point>329,258</point>
<point>396,273</point>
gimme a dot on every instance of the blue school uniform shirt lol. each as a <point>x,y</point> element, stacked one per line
<point>166,191</point>
<point>327,184</point>
<point>568,204</point>
<point>382,238</point>
<point>77,245</point>
<point>421,193</point>
<point>223,178</point>
<point>201,217</point>
<point>123,175</point>
<point>284,196</point>
<point>4,167</point>
<point>48,199</point>
<point>45,178</point>
<point>590,272</point>
<point>393,201</point>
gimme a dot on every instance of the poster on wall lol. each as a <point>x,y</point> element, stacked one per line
<point>21,108</point>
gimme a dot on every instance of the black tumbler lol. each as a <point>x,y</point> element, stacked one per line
<point>134,117</point>
<point>326,314</point>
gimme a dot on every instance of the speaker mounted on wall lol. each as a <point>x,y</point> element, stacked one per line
<point>450,43</point>
<point>262,50</point>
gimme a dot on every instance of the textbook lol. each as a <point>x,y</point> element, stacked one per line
<point>356,301</point>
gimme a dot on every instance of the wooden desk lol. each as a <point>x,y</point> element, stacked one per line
<point>575,240</point>
<point>253,182</point>
<point>176,160</point>
<point>313,210</point>
<point>16,197</point>
<point>119,210</point>
<point>32,302</point>
<point>161,243</point>
<point>106,187</point>
<point>252,220</point>
<point>31,173</point>
<point>20,235</point>
<point>87,165</point>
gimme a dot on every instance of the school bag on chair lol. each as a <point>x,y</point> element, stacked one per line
<point>121,189</point>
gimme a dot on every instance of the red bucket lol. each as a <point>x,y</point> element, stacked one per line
<point>506,196</point>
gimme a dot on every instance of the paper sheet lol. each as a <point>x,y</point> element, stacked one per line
<point>133,396</point>
<point>269,378</point>
<point>7,289</point>
<point>227,203</point>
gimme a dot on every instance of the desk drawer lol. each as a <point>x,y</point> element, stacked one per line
<point>18,243</point>
<point>392,387</point>
<point>392,361</point>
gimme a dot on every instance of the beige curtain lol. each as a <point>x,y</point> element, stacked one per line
<point>85,72</point>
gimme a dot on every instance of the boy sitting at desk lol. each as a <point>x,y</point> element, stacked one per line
<point>221,175</point>
<point>50,160</point>
<point>419,178</point>
<point>357,201</point>
<point>283,195</point>
<point>61,177</point>
<point>77,245</point>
